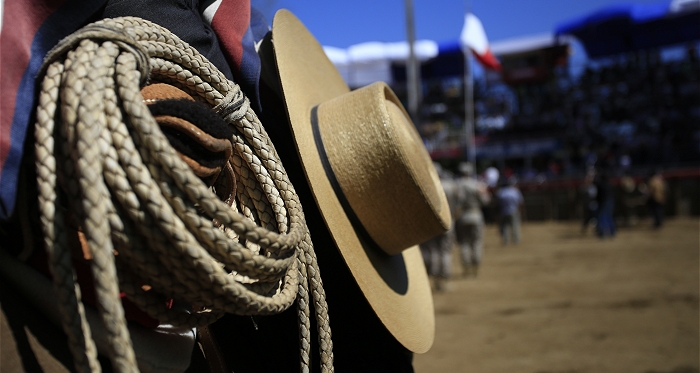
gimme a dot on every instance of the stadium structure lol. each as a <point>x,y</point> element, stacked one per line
<point>628,101</point>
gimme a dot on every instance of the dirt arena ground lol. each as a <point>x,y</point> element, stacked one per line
<point>561,302</point>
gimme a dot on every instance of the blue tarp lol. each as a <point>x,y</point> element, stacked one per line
<point>624,28</point>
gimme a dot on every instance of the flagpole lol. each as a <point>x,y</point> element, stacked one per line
<point>412,67</point>
<point>469,104</point>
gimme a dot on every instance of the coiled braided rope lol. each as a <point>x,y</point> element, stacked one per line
<point>102,160</point>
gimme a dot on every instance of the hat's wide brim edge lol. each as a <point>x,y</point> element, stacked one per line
<point>407,314</point>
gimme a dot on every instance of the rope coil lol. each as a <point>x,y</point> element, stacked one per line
<point>104,165</point>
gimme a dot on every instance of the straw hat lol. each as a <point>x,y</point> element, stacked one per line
<point>371,176</point>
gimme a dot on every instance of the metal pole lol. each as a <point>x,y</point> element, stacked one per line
<point>469,99</point>
<point>412,67</point>
<point>469,108</point>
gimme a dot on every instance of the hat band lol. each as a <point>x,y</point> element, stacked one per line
<point>362,233</point>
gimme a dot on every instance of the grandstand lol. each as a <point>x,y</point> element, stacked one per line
<point>633,106</point>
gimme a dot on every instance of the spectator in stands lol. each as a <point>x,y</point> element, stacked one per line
<point>657,197</point>
<point>510,203</point>
<point>472,195</point>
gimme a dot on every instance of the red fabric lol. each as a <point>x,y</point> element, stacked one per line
<point>231,22</point>
<point>21,21</point>
<point>488,59</point>
<point>30,29</point>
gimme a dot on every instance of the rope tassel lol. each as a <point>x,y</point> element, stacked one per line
<point>103,163</point>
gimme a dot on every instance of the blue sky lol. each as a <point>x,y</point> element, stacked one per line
<point>341,23</point>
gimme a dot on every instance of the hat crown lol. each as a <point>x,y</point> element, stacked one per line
<point>382,168</point>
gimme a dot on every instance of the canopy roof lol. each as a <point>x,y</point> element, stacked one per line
<point>365,63</point>
<point>624,28</point>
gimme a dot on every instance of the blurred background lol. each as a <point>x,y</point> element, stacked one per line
<point>577,86</point>
<point>550,94</point>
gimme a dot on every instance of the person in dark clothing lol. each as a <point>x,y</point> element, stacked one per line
<point>589,198</point>
<point>365,333</point>
<point>606,204</point>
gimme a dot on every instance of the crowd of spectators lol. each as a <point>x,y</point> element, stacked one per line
<point>639,106</point>
<point>632,110</point>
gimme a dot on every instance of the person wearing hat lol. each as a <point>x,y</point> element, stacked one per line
<point>370,196</point>
<point>472,195</point>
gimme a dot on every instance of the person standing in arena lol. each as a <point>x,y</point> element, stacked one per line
<point>437,251</point>
<point>657,197</point>
<point>510,201</point>
<point>472,195</point>
<point>606,205</point>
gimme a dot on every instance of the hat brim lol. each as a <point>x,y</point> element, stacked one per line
<point>396,287</point>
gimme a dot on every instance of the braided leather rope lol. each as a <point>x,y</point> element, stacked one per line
<point>103,163</point>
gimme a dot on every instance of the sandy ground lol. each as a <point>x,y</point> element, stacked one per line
<point>561,302</point>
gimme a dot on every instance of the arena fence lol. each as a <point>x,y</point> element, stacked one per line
<point>563,199</point>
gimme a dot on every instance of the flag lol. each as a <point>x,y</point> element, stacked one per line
<point>473,37</point>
